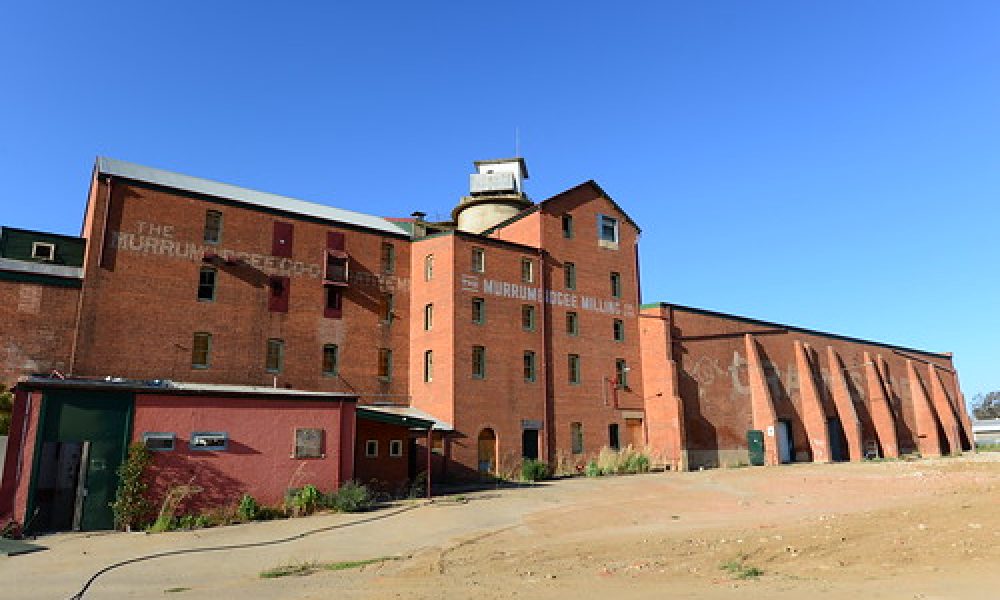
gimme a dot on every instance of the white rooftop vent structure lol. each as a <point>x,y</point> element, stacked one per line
<point>496,193</point>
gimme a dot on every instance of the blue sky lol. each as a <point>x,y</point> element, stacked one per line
<point>832,165</point>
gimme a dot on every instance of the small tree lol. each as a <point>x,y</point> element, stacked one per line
<point>986,406</point>
<point>6,406</point>
<point>131,507</point>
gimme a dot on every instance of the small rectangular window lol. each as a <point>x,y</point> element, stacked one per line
<point>395,448</point>
<point>527,271</point>
<point>386,307</point>
<point>621,373</point>
<point>371,448</point>
<point>308,443</point>
<point>384,364</point>
<point>529,365</point>
<point>201,350</point>
<point>573,364</point>
<point>333,307</point>
<point>388,257</point>
<point>572,323</point>
<point>478,311</point>
<point>209,441</point>
<point>616,285</point>
<point>478,260</point>
<point>158,441</point>
<point>576,437</point>
<point>618,330</point>
<point>331,357</point>
<point>213,227</point>
<point>43,251</point>
<point>428,317</point>
<point>527,317</point>
<point>281,242</point>
<point>613,442</point>
<point>569,273</point>
<point>279,292</point>
<point>478,362</point>
<point>428,365</point>
<point>206,284</point>
<point>275,356</point>
<point>428,267</point>
<point>567,226</point>
<point>607,229</point>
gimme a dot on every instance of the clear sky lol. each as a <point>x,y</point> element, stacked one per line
<point>833,165</point>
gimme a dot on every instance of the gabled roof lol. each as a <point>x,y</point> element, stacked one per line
<point>535,207</point>
<point>226,191</point>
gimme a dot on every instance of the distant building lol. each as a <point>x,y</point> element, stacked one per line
<point>986,432</point>
<point>515,330</point>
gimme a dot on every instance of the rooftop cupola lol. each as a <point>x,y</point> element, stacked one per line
<point>496,193</point>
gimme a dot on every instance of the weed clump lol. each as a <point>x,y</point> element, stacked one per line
<point>534,470</point>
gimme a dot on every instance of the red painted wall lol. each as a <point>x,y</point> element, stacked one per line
<point>260,457</point>
<point>383,472</point>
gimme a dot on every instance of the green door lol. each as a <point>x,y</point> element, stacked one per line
<point>70,418</point>
<point>755,443</point>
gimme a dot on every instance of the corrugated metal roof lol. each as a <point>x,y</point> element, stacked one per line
<point>408,412</point>
<point>187,183</point>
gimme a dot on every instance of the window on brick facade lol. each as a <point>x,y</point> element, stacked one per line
<point>618,330</point>
<point>386,306</point>
<point>528,317</point>
<point>527,271</point>
<point>478,311</point>
<point>616,285</point>
<point>529,365</point>
<point>428,317</point>
<point>573,368</point>
<point>206,284</point>
<point>275,359</point>
<point>572,323</point>
<point>569,275</point>
<point>337,272</point>
<point>607,229</point>
<point>213,227</point>
<point>385,364</point>
<point>428,267</point>
<point>388,257</point>
<point>576,437</point>
<point>567,226</point>
<point>201,350</point>
<point>428,365</point>
<point>621,373</point>
<point>613,439</point>
<point>331,358</point>
<point>479,362</point>
<point>478,260</point>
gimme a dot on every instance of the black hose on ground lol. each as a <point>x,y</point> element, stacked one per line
<point>79,595</point>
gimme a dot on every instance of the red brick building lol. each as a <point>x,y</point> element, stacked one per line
<point>517,327</point>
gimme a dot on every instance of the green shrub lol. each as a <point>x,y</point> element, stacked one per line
<point>534,470</point>
<point>131,507</point>
<point>351,497</point>
<point>592,470</point>
<point>248,508</point>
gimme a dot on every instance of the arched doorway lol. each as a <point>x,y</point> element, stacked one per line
<point>487,451</point>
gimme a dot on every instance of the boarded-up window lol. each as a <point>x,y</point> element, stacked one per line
<point>279,291</point>
<point>201,350</point>
<point>333,308</point>
<point>281,243</point>
<point>385,363</point>
<point>308,443</point>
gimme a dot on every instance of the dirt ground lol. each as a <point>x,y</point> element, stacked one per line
<point>916,530</point>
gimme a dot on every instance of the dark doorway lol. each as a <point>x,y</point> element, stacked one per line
<point>838,440</point>
<point>61,474</point>
<point>613,441</point>
<point>529,444</point>
<point>411,459</point>
<point>786,447</point>
<point>755,445</point>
